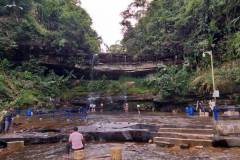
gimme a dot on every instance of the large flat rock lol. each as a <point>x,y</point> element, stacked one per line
<point>185,135</point>
<point>107,132</point>
<point>33,137</point>
<point>179,141</point>
<point>122,131</point>
<point>188,130</point>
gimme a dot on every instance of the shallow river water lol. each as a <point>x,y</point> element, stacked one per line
<point>130,151</point>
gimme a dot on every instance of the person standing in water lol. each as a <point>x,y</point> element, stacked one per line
<point>2,121</point>
<point>92,107</point>
<point>8,120</point>
<point>101,107</point>
<point>125,107</point>
<point>138,109</point>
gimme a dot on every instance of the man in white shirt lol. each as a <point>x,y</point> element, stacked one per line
<point>138,109</point>
<point>212,104</point>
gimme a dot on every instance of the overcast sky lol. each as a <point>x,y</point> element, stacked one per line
<point>106,17</point>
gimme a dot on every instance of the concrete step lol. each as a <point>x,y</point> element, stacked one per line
<point>179,141</point>
<point>188,130</point>
<point>185,135</point>
<point>193,126</point>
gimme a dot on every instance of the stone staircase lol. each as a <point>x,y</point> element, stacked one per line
<point>184,136</point>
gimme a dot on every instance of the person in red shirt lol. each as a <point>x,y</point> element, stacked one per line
<point>76,141</point>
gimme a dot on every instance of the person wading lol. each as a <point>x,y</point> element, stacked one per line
<point>2,120</point>
<point>101,107</point>
<point>8,120</point>
<point>138,109</point>
<point>76,143</point>
<point>125,107</point>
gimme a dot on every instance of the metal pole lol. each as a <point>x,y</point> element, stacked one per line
<point>213,78</point>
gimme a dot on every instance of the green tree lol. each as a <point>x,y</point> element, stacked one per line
<point>184,28</point>
<point>50,24</point>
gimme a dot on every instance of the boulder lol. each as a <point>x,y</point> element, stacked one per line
<point>226,141</point>
<point>184,146</point>
<point>226,128</point>
<point>3,144</point>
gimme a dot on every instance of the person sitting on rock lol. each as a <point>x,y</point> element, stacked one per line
<point>76,141</point>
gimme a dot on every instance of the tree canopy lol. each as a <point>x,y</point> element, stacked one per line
<point>57,25</point>
<point>185,28</point>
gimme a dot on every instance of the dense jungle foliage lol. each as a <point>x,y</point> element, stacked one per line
<point>180,29</point>
<point>184,29</point>
<point>29,28</point>
<point>28,84</point>
<point>48,25</point>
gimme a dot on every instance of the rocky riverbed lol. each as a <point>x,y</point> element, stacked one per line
<point>109,123</point>
<point>101,151</point>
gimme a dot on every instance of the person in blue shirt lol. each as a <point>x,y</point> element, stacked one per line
<point>215,113</point>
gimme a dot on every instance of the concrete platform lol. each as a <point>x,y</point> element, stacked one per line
<point>179,141</point>
<point>185,135</point>
<point>188,130</point>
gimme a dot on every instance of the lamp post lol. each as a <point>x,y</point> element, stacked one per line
<point>211,56</point>
<point>215,92</point>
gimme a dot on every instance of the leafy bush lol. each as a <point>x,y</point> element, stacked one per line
<point>170,82</point>
<point>25,97</point>
<point>227,76</point>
